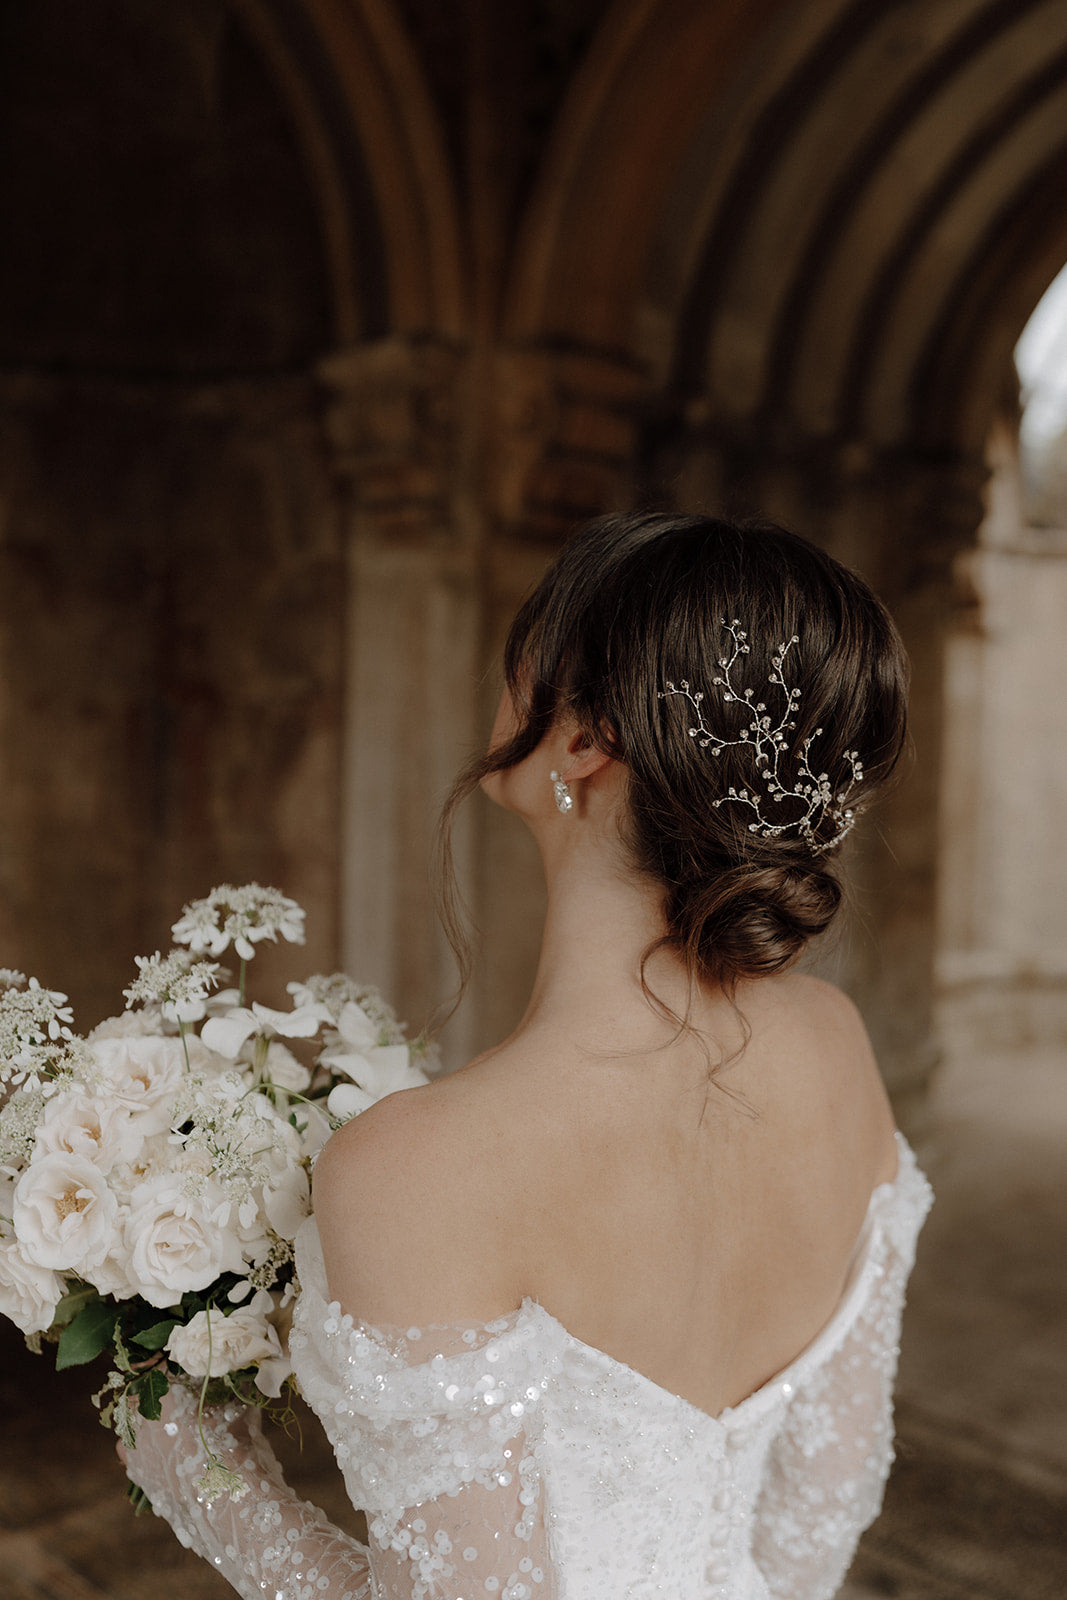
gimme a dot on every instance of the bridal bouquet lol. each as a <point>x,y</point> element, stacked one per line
<point>153,1174</point>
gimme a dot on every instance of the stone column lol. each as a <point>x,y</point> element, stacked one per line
<point>905,522</point>
<point>394,420</point>
<point>1003,966</point>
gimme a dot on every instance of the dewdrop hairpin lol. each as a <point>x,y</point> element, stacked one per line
<point>769,742</point>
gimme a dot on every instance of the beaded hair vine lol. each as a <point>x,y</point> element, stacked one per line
<point>768,741</point>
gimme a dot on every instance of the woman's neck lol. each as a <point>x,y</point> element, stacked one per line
<point>601,918</point>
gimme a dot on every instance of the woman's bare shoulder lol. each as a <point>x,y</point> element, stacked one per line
<point>408,1199</point>
<point>811,1040</point>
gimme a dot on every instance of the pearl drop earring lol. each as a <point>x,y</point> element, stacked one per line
<point>564,798</point>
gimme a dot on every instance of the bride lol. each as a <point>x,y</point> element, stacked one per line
<point>612,1311</point>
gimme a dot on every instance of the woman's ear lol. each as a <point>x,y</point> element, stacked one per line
<point>582,758</point>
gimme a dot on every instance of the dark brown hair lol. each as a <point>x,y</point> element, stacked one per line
<point>634,602</point>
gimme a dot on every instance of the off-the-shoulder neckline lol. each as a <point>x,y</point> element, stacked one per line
<point>768,1393</point>
<point>823,1343</point>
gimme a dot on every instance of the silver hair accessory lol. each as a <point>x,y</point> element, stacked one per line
<point>564,798</point>
<point>769,743</point>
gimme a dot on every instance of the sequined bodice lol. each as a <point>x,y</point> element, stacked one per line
<point>510,1459</point>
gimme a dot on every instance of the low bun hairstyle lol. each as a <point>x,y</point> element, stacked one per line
<point>635,603</point>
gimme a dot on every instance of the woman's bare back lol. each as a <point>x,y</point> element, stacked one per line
<point>702,1238</point>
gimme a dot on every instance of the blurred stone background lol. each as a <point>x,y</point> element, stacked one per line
<point>321,322</point>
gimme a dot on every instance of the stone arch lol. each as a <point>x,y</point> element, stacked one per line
<point>893,155</point>
<point>795,239</point>
<point>589,225</point>
<point>376,160</point>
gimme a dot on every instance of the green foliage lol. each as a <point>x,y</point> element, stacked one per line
<point>150,1388</point>
<point>77,1297</point>
<point>155,1337</point>
<point>88,1334</point>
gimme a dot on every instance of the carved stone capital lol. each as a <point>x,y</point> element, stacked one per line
<point>393,421</point>
<point>564,438</point>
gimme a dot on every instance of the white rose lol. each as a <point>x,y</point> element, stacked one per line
<point>144,1076</point>
<point>172,1241</point>
<point>110,1275</point>
<point>156,1155</point>
<point>79,1123</point>
<point>141,1024</point>
<point>29,1294</point>
<point>210,1345</point>
<point>66,1217</point>
<point>201,1059</point>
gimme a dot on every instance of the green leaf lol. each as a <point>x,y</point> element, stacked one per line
<point>151,1388</point>
<point>90,1333</point>
<point>122,1355</point>
<point>73,1301</point>
<point>155,1337</point>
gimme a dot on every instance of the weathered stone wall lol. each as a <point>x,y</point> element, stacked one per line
<point>171,606</point>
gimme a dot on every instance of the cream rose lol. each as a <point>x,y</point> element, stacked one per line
<point>29,1294</point>
<point>143,1075</point>
<point>130,1025</point>
<point>79,1123</point>
<point>212,1344</point>
<point>172,1241</point>
<point>65,1215</point>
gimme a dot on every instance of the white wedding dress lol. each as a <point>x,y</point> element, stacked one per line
<point>510,1460</point>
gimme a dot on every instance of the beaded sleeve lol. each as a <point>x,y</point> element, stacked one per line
<point>268,1542</point>
<point>826,1472</point>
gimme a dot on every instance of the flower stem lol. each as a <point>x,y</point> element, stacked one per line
<point>241,982</point>
<point>185,1047</point>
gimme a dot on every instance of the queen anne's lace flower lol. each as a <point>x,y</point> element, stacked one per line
<point>335,991</point>
<point>177,983</point>
<point>29,1016</point>
<point>241,917</point>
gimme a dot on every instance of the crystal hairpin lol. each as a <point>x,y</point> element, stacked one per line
<point>769,742</point>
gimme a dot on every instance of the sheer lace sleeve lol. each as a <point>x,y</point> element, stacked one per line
<point>267,1543</point>
<point>437,1431</point>
<point>828,1464</point>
